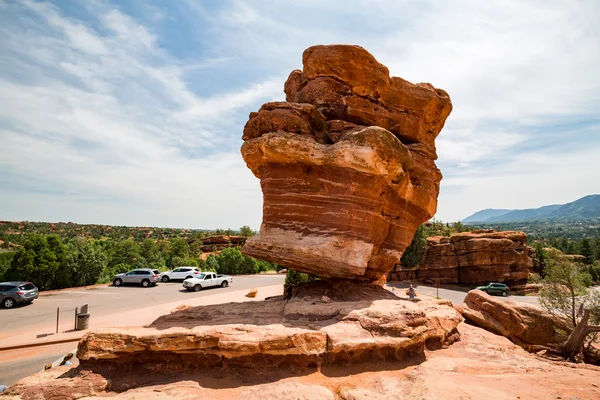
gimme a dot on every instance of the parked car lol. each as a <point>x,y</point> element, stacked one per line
<point>179,273</point>
<point>145,277</point>
<point>13,293</point>
<point>495,288</point>
<point>207,279</point>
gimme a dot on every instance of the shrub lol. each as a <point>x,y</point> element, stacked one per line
<point>414,254</point>
<point>232,261</point>
<point>534,278</point>
<point>292,278</point>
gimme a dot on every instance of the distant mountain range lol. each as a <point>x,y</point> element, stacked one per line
<point>585,208</point>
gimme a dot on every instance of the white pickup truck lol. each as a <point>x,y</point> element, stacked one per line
<point>205,280</point>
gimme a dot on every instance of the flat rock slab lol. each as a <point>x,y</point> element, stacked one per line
<point>303,332</point>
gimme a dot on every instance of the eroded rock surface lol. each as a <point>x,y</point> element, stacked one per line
<point>481,365</point>
<point>361,323</point>
<point>346,165</point>
<point>522,323</point>
<point>473,257</point>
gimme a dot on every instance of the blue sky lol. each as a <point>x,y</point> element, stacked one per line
<point>131,112</point>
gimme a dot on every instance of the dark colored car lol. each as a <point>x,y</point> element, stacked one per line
<point>495,288</point>
<point>13,293</point>
<point>145,277</point>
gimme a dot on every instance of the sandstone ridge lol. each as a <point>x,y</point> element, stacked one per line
<point>473,258</point>
<point>346,165</point>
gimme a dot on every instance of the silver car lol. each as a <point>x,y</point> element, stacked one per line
<point>12,293</point>
<point>145,277</point>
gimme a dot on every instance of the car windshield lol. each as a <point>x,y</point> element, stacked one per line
<point>200,276</point>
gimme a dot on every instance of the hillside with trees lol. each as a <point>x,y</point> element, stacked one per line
<point>60,255</point>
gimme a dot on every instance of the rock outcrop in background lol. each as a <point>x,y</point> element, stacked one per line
<point>472,258</point>
<point>346,165</point>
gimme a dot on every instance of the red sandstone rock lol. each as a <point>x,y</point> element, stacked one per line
<point>360,323</point>
<point>218,243</point>
<point>346,165</point>
<point>473,257</point>
<point>522,323</point>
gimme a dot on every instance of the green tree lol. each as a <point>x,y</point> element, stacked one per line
<point>38,261</point>
<point>212,264</point>
<point>196,248</point>
<point>539,258</point>
<point>149,250</point>
<point>6,258</point>
<point>564,293</point>
<point>415,253</point>
<point>585,249</point>
<point>246,231</point>
<point>180,248</point>
<point>181,261</point>
<point>84,264</point>
<point>232,261</point>
<point>125,252</point>
<point>563,287</point>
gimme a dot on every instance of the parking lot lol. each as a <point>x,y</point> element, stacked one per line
<point>40,316</point>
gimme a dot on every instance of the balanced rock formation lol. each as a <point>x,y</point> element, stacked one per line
<point>346,165</point>
<point>473,257</point>
<point>524,324</point>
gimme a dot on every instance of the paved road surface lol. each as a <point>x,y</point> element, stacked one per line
<point>17,364</point>
<point>457,295</point>
<point>40,316</point>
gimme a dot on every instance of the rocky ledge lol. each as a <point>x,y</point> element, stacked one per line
<point>346,165</point>
<point>352,323</point>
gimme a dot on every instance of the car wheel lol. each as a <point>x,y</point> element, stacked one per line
<point>8,303</point>
<point>504,294</point>
<point>117,282</point>
<point>197,288</point>
<point>145,283</point>
<point>224,284</point>
<point>165,279</point>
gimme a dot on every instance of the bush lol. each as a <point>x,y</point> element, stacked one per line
<point>5,260</point>
<point>414,254</point>
<point>211,264</point>
<point>232,261</point>
<point>292,278</point>
<point>534,278</point>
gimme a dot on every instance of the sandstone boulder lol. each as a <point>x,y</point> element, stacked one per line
<point>346,165</point>
<point>524,324</point>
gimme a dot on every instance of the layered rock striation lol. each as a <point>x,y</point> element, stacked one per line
<point>524,324</point>
<point>346,165</point>
<point>358,323</point>
<point>473,257</point>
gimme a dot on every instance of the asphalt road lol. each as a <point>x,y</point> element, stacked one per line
<point>40,316</point>
<point>456,294</point>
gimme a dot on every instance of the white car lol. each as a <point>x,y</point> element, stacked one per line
<point>205,280</point>
<point>179,273</point>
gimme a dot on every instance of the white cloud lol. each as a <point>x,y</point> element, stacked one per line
<point>110,118</point>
